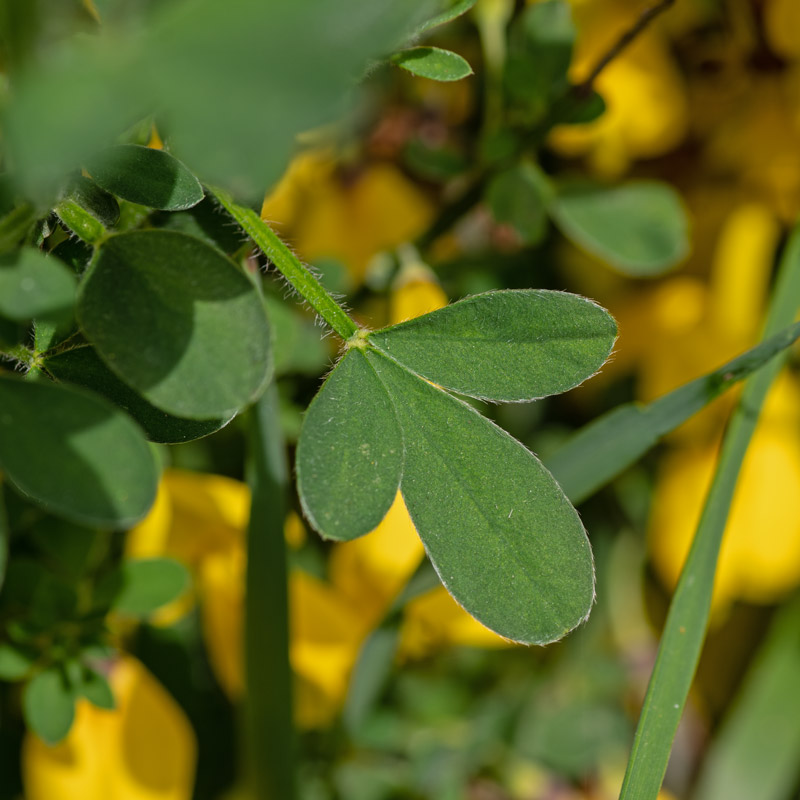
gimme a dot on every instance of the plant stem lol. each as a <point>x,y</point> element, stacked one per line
<point>268,706</point>
<point>687,621</point>
<point>290,266</point>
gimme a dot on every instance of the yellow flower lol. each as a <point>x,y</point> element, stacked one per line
<point>144,749</point>
<point>350,218</point>
<point>646,107</point>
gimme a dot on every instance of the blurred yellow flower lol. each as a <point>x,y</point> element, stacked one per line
<point>646,105</point>
<point>350,218</point>
<point>692,329</point>
<point>144,749</point>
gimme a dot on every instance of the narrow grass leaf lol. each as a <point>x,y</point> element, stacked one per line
<point>515,345</point>
<point>639,227</point>
<point>603,449</point>
<point>499,531</point>
<point>350,452</point>
<point>33,285</point>
<point>48,704</point>
<point>433,62</point>
<point>687,620</point>
<point>74,453</point>
<point>756,752</point>
<point>178,322</point>
<point>143,175</point>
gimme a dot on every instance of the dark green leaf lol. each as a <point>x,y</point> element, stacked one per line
<point>139,587</point>
<point>14,225</point>
<point>4,536</point>
<point>639,227</point>
<point>34,594</point>
<point>33,284</point>
<point>502,536</point>
<point>95,688</point>
<point>89,196</point>
<point>517,198</point>
<point>455,10</point>
<point>540,51</point>
<point>49,705</point>
<point>350,453</point>
<point>83,367</point>
<point>610,444</point>
<point>433,63</point>
<point>146,176</point>
<point>514,345</point>
<point>14,663</point>
<point>68,545</point>
<point>178,322</point>
<point>74,453</point>
<point>74,253</point>
<point>205,221</point>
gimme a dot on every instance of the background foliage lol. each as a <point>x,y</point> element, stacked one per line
<point>411,153</point>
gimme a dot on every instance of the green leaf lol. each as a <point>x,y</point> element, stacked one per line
<point>178,322</point>
<point>15,225</point>
<point>455,10</point>
<point>297,345</point>
<point>350,452</point>
<point>499,531</point>
<point>516,197</point>
<point>610,444</point>
<point>49,705</point>
<point>87,210</point>
<point>139,587</point>
<point>512,346</point>
<point>143,175</point>
<point>639,227</point>
<point>4,536</point>
<point>33,284</point>
<point>14,663</point>
<point>96,689</point>
<point>756,751</point>
<point>539,55</point>
<point>83,367</point>
<point>74,453</point>
<point>433,63</point>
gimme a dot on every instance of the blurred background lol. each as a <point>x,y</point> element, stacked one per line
<point>401,207</point>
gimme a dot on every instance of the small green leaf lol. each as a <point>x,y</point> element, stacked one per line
<point>350,452</point>
<point>639,227</point>
<point>139,587</point>
<point>512,346</point>
<point>33,284</point>
<point>49,705</point>
<point>83,367</point>
<point>14,663</point>
<point>178,322</point>
<point>152,178</point>
<point>87,210</point>
<point>454,11</point>
<point>516,197</point>
<point>539,55</point>
<point>433,63</point>
<point>499,531</point>
<point>96,689</point>
<point>74,453</point>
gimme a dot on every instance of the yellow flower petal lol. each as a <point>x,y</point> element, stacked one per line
<point>142,750</point>
<point>781,25</point>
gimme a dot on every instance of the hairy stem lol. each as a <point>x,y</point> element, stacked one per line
<point>287,263</point>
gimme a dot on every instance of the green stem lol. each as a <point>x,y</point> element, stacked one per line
<point>268,705</point>
<point>687,621</point>
<point>290,266</point>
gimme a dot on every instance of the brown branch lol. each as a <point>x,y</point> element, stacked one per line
<point>645,18</point>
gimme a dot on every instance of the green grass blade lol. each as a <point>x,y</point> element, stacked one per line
<point>687,620</point>
<point>757,752</point>
<point>610,444</point>
<point>268,709</point>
